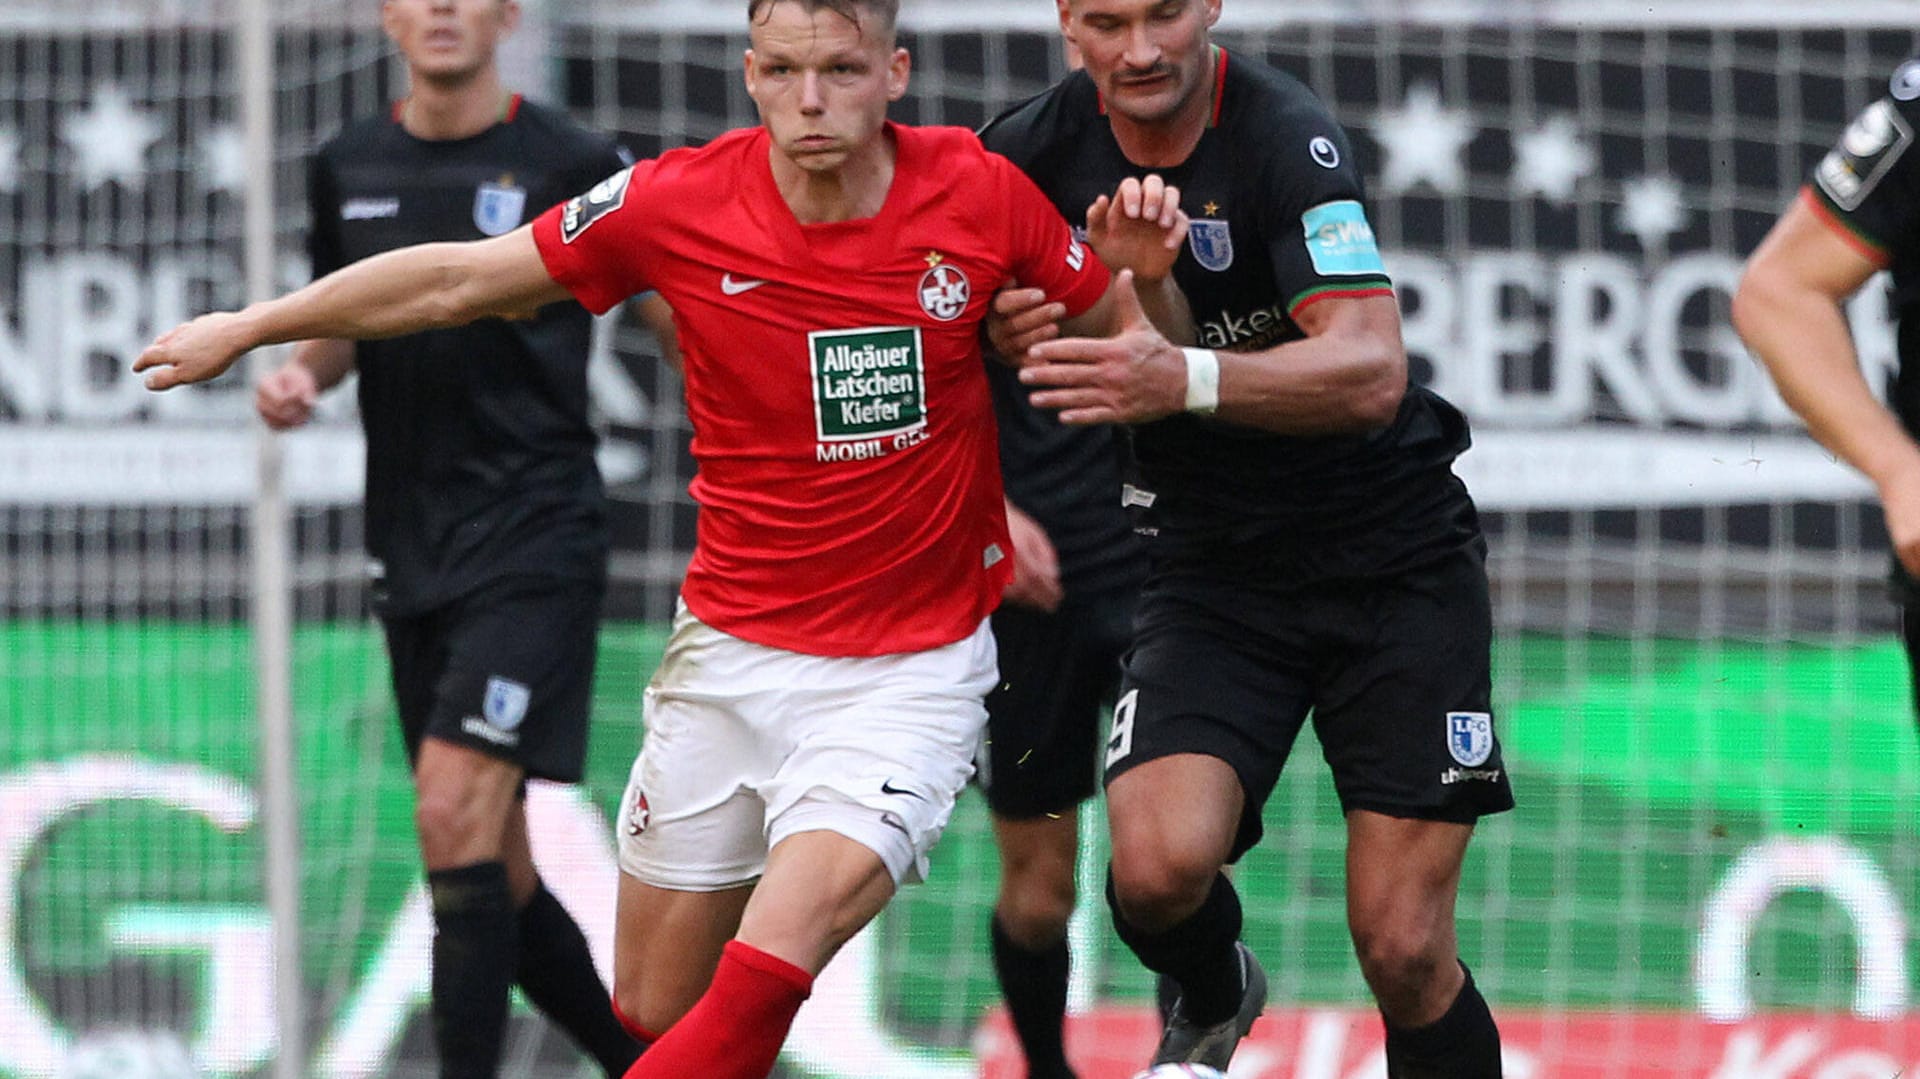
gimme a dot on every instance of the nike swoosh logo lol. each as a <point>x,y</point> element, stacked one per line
<point>887,787</point>
<point>734,288</point>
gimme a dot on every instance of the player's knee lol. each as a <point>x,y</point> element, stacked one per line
<point>1158,889</point>
<point>1034,910</point>
<point>1402,959</point>
<point>451,824</point>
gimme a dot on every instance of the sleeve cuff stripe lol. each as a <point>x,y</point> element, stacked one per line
<point>1843,228</point>
<point>1355,291</point>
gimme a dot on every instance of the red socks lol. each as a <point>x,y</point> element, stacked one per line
<point>736,1029</point>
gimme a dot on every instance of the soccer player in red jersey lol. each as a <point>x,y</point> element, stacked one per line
<point>819,705</point>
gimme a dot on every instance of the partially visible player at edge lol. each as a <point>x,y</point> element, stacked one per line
<point>1062,625</point>
<point>484,517</point>
<point>1859,214</point>
<point>818,707</point>
<point>1311,549</point>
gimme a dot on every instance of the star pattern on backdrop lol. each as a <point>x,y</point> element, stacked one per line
<point>223,159</point>
<point>1652,208</point>
<point>1424,141</point>
<point>1551,160</point>
<point>110,139</point>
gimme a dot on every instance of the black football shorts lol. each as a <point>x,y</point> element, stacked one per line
<point>1059,673</point>
<point>1395,671</point>
<point>506,670</point>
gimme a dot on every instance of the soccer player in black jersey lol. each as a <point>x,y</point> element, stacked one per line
<point>1312,551</point>
<point>484,516</point>
<point>1062,626</point>
<point>1859,214</point>
<point>1061,629</point>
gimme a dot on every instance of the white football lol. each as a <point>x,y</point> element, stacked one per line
<point>1180,1071</point>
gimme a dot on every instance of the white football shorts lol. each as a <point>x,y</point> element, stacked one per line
<point>746,745</point>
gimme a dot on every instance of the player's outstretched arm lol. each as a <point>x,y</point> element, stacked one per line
<point>404,291</point>
<point>1346,376</point>
<point>1134,376</point>
<point>1788,311</point>
<point>1349,374</point>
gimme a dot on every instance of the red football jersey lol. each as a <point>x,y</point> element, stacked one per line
<point>848,480</point>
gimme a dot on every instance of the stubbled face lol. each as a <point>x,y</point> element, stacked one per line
<point>1148,57</point>
<point>821,82</point>
<point>448,40</point>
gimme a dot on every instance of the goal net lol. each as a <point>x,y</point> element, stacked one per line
<point>1709,723</point>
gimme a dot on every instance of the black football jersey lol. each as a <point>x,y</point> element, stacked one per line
<point>1069,480</point>
<point>1279,221</point>
<point>479,453</point>
<point>1869,185</point>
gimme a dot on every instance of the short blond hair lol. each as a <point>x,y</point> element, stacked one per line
<point>888,11</point>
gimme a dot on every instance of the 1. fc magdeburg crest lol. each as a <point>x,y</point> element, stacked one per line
<point>498,206</point>
<point>1470,737</point>
<point>504,704</point>
<point>1211,243</point>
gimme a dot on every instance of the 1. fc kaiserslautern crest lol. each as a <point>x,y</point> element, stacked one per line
<point>498,206</point>
<point>944,289</point>
<point>1211,243</point>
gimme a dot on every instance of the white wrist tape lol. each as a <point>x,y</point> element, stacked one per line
<point>1203,379</point>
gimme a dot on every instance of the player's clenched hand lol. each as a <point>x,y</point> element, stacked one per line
<point>1140,228</point>
<point>193,351</point>
<point>285,398</point>
<point>1132,377</point>
<point>1036,565</point>
<point>1019,319</point>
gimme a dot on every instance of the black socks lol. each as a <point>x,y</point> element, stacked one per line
<point>557,975</point>
<point>1198,953</point>
<point>1035,987</point>
<point>475,950</point>
<point>1462,1044</point>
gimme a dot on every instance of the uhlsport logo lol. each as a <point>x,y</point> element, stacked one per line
<point>944,289</point>
<point>1470,737</point>
<point>867,383</point>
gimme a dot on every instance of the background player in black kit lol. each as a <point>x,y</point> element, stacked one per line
<point>1061,628</point>
<point>1860,214</point>
<point>484,516</point>
<point>1311,548</point>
